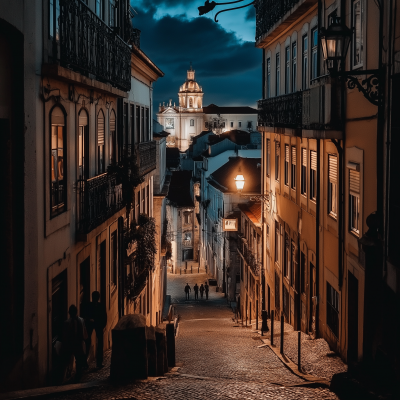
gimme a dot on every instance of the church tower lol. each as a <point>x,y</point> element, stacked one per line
<point>191,94</point>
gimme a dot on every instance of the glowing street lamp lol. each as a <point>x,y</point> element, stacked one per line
<point>239,181</point>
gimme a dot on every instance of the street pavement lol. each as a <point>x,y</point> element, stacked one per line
<point>216,359</point>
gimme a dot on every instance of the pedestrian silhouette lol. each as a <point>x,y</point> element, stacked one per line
<point>206,289</point>
<point>196,292</point>
<point>187,290</point>
<point>201,291</point>
<point>74,336</point>
<point>96,319</point>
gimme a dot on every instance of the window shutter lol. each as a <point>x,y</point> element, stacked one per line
<point>277,149</point>
<point>304,157</point>
<point>354,182</point>
<point>294,155</point>
<point>313,159</point>
<point>83,119</point>
<point>100,129</point>
<point>332,168</point>
<point>57,117</point>
<point>286,153</point>
<point>112,122</point>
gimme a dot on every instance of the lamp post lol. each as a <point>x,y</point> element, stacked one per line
<point>240,181</point>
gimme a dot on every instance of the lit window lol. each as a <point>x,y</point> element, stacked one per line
<point>58,163</point>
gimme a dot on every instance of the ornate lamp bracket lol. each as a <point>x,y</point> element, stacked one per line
<point>209,6</point>
<point>370,87</point>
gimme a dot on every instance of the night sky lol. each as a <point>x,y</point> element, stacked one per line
<point>227,64</point>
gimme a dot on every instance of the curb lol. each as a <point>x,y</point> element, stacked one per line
<point>48,390</point>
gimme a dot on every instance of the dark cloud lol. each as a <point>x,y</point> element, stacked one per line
<point>225,66</point>
<point>251,14</point>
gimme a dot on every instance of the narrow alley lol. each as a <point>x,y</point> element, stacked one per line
<point>216,358</point>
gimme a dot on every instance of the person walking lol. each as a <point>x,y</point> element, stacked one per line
<point>96,320</point>
<point>206,289</point>
<point>196,291</point>
<point>201,291</point>
<point>74,336</point>
<point>187,290</point>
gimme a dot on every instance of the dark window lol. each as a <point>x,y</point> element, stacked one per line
<point>286,265</point>
<point>354,201</point>
<point>358,46</point>
<point>113,139</point>
<point>147,124</point>
<point>293,175</point>
<point>313,175</point>
<point>303,171</point>
<point>126,124</point>
<point>277,242</point>
<point>277,156</point>
<point>240,124</point>
<point>314,53</point>
<point>112,16</point>
<point>142,129</point>
<point>187,254</point>
<point>294,67</point>
<point>305,63</point>
<point>54,13</point>
<point>332,185</point>
<point>287,70</point>
<point>293,264</point>
<point>58,163</point>
<point>332,309</point>
<point>268,169</point>
<point>277,75</point>
<point>286,165</point>
<point>99,8</point>
<point>231,124</point>
<point>132,118</point>
<point>192,122</point>
<point>138,124</point>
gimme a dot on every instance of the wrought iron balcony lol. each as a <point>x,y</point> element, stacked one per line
<point>249,257</point>
<point>89,46</point>
<point>283,111</point>
<point>98,199</point>
<point>270,12</point>
<point>146,157</point>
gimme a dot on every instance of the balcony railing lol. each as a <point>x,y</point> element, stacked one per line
<point>249,257</point>
<point>98,199</point>
<point>89,46</point>
<point>284,111</point>
<point>269,12</point>
<point>146,157</point>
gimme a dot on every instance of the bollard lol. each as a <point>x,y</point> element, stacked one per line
<point>272,327</point>
<point>282,331</point>
<point>299,351</point>
<point>264,322</point>
<point>170,331</point>
<point>191,269</point>
<point>257,315</point>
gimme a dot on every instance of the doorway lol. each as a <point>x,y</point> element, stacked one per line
<point>352,319</point>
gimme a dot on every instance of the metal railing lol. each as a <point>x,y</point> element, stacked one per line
<point>146,157</point>
<point>90,46</point>
<point>269,12</point>
<point>285,111</point>
<point>249,257</point>
<point>98,199</point>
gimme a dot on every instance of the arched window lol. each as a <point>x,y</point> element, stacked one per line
<point>190,102</point>
<point>112,139</point>
<point>58,188</point>
<point>100,143</point>
<point>192,122</point>
<point>83,145</point>
<point>198,103</point>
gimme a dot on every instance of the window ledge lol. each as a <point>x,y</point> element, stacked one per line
<point>60,221</point>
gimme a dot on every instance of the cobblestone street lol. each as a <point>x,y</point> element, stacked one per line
<point>216,359</point>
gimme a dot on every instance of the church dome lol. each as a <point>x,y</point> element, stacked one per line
<point>190,86</point>
<point>191,94</point>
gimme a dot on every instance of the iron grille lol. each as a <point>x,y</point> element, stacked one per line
<point>98,199</point>
<point>269,12</point>
<point>146,157</point>
<point>89,46</point>
<point>286,110</point>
